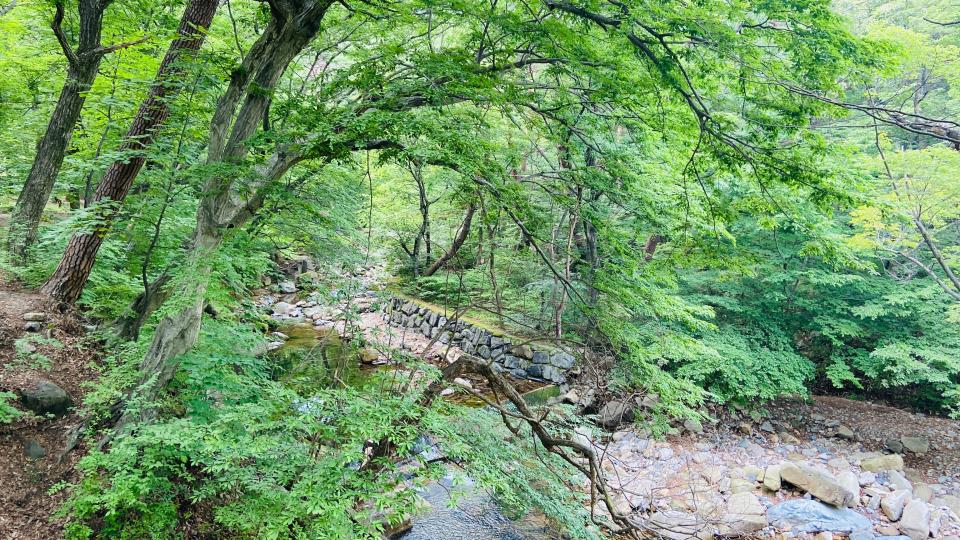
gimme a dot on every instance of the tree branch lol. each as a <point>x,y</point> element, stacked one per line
<point>57,26</point>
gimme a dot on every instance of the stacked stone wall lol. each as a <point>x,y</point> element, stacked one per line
<point>521,361</point>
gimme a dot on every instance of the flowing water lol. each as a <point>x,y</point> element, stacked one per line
<point>314,358</point>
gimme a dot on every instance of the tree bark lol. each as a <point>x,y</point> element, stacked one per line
<point>458,241</point>
<point>82,66</point>
<point>67,282</point>
<point>226,203</point>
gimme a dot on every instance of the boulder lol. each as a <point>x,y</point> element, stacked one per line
<point>368,355</point>
<point>45,397</point>
<point>805,515</point>
<point>915,521</point>
<point>540,357</point>
<point>615,413</point>
<point>819,484</point>
<point>744,515</point>
<point>892,504</point>
<point>899,481</point>
<point>287,287</point>
<point>562,360</point>
<point>844,432</point>
<point>693,426</point>
<point>771,478</point>
<point>849,481</point>
<point>282,308</point>
<point>677,525</point>
<point>889,462</point>
<point>915,445</point>
<point>950,501</point>
<point>523,351</point>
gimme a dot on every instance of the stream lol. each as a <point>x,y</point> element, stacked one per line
<point>321,357</point>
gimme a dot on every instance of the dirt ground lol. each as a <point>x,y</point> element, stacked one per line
<point>26,507</point>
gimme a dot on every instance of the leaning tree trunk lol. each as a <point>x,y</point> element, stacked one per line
<point>458,241</point>
<point>82,66</point>
<point>224,204</point>
<point>71,275</point>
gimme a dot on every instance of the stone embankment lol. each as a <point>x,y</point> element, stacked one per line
<point>519,360</point>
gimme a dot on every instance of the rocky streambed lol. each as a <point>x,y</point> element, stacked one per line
<point>818,470</point>
<point>775,478</point>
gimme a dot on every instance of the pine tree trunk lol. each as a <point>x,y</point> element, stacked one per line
<point>71,275</point>
<point>83,64</point>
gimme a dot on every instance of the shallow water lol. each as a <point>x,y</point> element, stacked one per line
<point>475,517</point>
<point>316,358</point>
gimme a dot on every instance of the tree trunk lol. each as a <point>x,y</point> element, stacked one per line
<point>83,64</point>
<point>51,149</point>
<point>225,204</point>
<point>71,275</point>
<point>458,241</point>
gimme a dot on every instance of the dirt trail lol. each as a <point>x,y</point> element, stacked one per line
<point>25,506</point>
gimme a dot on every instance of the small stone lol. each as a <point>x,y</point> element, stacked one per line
<point>766,426</point>
<point>287,287</point>
<point>33,326</point>
<point>447,392</point>
<point>462,382</point>
<point>893,445</point>
<point>866,478</point>
<point>35,316</point>
<point>34,450</point>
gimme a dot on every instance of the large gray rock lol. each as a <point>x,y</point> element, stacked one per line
<point>744,515</point>
<point>817,483</point>
<point>287,287</point>
<point>892,504</point>
<point>849,481</point>
<point>523,351</point>
<point>805,515</point>
<point>915,445</point>
<point>677,525</point>
<point>915,521</point>
<point>615,413</point>
<point>282,308</point>
<point>562,360</point>
<point>890,462</point>
<point>45,397</point>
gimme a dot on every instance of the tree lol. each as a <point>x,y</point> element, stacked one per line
<point>82,65</point>
<point>67,282</point>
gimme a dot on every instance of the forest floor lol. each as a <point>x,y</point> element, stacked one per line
<point>30,448</point>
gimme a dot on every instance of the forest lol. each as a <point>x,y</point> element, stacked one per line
<point>479,269</point>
